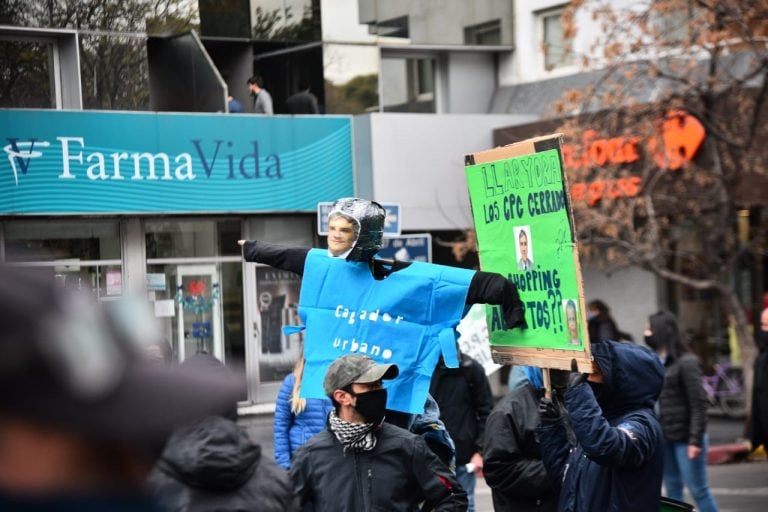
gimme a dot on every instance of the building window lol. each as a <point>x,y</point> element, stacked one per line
<point>488,33</point>
<point>408,85</point>
<point>555,45</point>
<point>26,80</point>
<point>423,79</point>
<point>395,27</point>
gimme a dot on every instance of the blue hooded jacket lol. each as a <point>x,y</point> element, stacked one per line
<point>292,430</point>
<point>617,464</point>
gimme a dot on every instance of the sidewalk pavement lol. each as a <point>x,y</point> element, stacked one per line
<point>730,452</point>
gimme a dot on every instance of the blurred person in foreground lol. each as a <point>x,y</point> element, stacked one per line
<point>759,417</point>
<point>83,415</point>
<point>683,410</point>
<point>514,469</point>
<point>362,463</point>
<point>212,464</point>
<point>618,459</point>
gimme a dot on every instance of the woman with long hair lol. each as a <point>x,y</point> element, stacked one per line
<point>683,411</point>
<point>296,419</point>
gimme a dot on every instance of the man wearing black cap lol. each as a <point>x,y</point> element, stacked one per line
<point>361,463</point>
<point>82,414</point>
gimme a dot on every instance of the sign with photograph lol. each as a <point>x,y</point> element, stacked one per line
<point>521,209</point>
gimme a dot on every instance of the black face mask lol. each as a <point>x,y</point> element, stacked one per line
<point>652,342</point>
<point>371,405</point>
<point>761,340</point>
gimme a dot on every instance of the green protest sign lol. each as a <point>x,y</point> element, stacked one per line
<point>522,216</point>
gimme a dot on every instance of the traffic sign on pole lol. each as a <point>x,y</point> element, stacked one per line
<point>392,222</point>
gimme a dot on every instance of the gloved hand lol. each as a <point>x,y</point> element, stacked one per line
<point>548,411</point>
<point>575,378</point>
<point>512,307</point>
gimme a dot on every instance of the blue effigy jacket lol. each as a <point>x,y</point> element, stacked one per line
<point>408,319</point>
<point>617,463</point>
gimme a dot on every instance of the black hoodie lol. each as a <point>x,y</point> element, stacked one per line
<point>214,466</point>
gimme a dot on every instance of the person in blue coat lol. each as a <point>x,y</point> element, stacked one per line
<point>618,461</point>
<point>296,419</point>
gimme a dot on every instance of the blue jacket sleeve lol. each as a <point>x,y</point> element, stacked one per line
<point>283,422</point>
<point>555,449</point>
<point>631,443</point>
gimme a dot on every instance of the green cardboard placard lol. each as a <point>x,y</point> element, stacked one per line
<point>524,224</point>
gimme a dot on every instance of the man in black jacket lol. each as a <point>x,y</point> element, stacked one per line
<point>514,469</point>
<point>362,463</point>
<point>465,401</point>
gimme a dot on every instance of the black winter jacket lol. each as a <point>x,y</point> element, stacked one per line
<point>214,466</point>
<point>512,456</point>
<point>683,401</point>
<point>397,474</point>
<point>465,401</point>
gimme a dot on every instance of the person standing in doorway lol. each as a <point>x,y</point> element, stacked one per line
<point>683,408</point>
<point>262,100</point>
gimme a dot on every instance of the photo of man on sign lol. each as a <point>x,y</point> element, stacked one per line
<point>524,247</point>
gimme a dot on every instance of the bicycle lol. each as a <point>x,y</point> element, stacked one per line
<point>725,389</point>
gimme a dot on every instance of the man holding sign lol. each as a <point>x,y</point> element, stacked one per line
<point>618,460</point>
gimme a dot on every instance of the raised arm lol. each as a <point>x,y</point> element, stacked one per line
<point>492,288</point>
<point>279,256</point>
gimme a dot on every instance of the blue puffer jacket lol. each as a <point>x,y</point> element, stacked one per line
<point>618,461</point>
<point>292,431</point>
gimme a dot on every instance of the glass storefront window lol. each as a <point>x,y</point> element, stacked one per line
<point>277,304</point>
<point>80,254</point>
<point>200,307</point>
<point>52,240</point>
<point>192,238</point>
<point>194,279</point>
